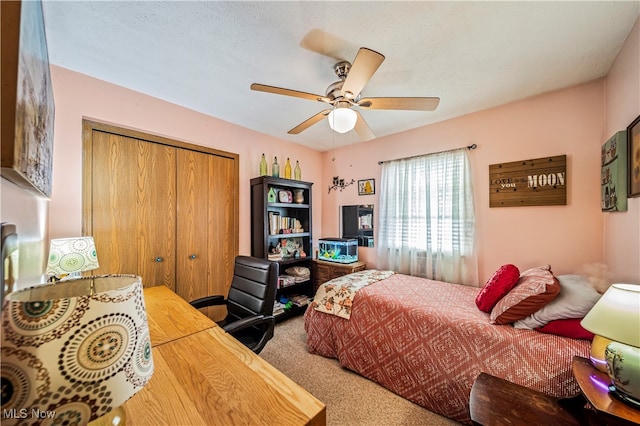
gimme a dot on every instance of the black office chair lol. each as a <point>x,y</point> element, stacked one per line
<point>249,303</point>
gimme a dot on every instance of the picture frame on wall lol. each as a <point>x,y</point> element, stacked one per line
<point>633,154</point>
<point>28,105</point>
<point>614,173</point>
<point>366,187</point>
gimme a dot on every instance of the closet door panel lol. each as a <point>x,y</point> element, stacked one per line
<point>192,224</point>
<point>113,197</point>
<point>133,208</point>
<point>156,214</point>
<point>223,219</point>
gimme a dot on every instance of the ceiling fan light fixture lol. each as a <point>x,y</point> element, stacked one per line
<point>342,120</point>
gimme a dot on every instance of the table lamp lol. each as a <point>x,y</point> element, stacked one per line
<point>68,257</point>
<point>73,351</point>
<point>616,316</point>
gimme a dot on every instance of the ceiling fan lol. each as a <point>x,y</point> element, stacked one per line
<point>346,93</point>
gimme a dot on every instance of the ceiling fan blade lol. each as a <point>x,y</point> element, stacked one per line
<point>362,129</point>
<point>414,104</point>
<point>288,92</point>
<point>309,122</point>
<point>364,66</point>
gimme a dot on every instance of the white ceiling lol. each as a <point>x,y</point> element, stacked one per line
<point>204,55</point>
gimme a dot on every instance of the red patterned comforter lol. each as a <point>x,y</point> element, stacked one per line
<point>427,341</point>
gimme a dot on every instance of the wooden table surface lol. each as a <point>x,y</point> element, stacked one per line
<point>171,317</point>
<point>594,385</point>
<point>203,376</point>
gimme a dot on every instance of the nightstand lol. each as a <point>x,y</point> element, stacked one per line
<point>323,271</point>
<point>498,402</point>
<point>494,401</point>
<point>594,386</point>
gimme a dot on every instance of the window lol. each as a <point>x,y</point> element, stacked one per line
<point>427,221</point>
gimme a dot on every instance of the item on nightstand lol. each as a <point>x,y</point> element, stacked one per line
<point>275,168</point>
<point>340,250</point>
<point>616,316</point>
<point>74,350</point>
<point>598,346</point>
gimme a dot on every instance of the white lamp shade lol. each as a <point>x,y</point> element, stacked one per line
<point>74,350</point>
<point>342,120</point>
<point>616,315</point>
<point>69,255</point>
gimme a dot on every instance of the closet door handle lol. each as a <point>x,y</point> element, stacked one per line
<point>193,256</point>
<point>159,259</point>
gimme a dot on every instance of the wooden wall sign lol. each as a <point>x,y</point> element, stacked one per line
<point>537,182</point>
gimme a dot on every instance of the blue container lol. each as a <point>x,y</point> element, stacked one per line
<point>339,250</point>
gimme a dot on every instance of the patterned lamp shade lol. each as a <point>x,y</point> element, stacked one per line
<point>69,255</point>
<point>73,350</point>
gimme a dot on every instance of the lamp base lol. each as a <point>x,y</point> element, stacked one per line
<point>627,399</point>
<point>598,346</point>
<point>623,366</point>
<point>115,417</point>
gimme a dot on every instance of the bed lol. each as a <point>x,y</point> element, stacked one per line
<point>428,341</point>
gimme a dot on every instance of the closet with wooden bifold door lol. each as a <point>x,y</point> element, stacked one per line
<point>161,209</point>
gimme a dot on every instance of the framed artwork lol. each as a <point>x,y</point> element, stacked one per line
<point>614,173</point>
<point>27,145</point>
<point>633,152</point>
<point>534,182</point>
<point>366,187</point>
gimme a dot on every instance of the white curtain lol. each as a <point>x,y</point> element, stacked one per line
<point>427,221</point>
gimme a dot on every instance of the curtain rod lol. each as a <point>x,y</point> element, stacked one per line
<point>469,147</point>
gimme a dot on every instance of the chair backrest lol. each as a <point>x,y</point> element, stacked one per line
<point>253,288</point>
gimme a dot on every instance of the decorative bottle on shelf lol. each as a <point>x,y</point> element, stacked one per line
<point>287,169</point>
<point>263,166</point>
<point>297,173</point>
<point>275,168</point>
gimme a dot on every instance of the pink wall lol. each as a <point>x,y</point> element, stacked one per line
<point>574,121</point>
<point>568,121</point>
<point>29,213</point>
<point>622,230</point>
<point>78,96</point>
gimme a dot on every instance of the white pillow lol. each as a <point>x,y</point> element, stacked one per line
<point>575,299</point>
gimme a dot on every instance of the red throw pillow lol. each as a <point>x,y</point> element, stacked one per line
<point>536,287</point>
<point>503,280</point>
<point>567,328</point>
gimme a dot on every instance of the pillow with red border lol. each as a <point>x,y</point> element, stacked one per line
<point>536,287</point>
<point>503,280</point>
<point>568,327</point>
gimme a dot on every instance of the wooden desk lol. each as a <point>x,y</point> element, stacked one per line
<point>594,385</point>
<point>203,376</point>
<point>171,317</point>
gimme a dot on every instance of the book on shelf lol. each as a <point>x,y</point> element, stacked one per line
<point>285,281</point>
<point>300,299</point>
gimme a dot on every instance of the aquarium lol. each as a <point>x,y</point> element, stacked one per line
<point>340,250</point>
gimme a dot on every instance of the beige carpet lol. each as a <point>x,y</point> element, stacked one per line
<point>351,399</point>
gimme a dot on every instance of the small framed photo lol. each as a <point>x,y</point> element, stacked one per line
<point>633,153</point>
<point>366,187</point>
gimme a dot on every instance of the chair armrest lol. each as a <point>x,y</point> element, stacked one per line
<point>203,302</point>
<point>247,322</point>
